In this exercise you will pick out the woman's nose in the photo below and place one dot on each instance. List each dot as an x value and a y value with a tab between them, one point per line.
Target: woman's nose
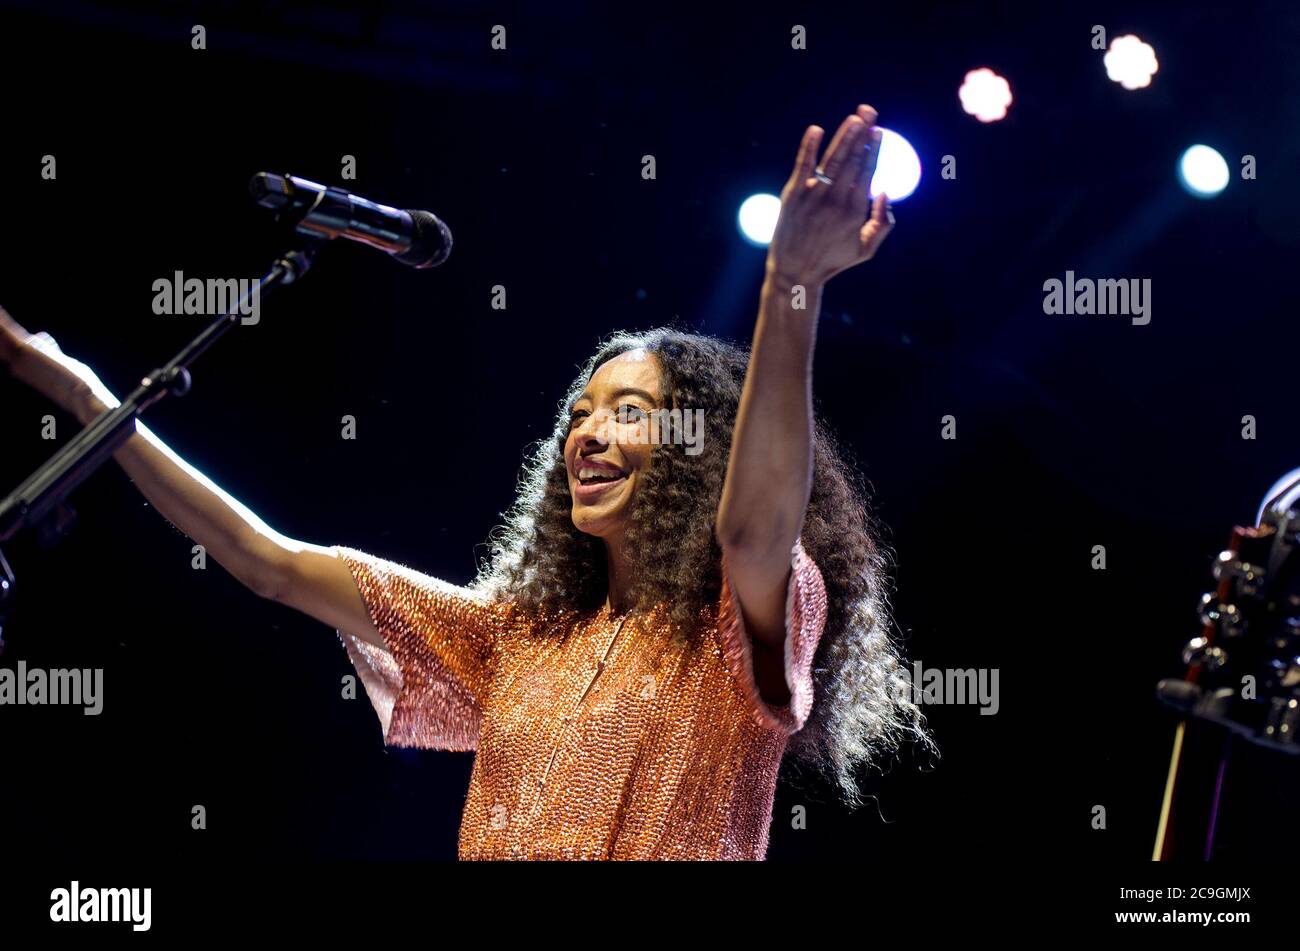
593	430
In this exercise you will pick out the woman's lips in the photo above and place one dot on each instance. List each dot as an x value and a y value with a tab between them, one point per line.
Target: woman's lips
591	493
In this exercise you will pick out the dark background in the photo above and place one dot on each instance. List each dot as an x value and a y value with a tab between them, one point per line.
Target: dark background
1072	432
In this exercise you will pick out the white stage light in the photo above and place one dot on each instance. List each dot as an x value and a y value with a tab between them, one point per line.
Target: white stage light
898	168
985	95
1203	171
757	218
1130	62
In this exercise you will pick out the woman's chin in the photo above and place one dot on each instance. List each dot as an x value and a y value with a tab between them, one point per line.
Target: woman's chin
590	521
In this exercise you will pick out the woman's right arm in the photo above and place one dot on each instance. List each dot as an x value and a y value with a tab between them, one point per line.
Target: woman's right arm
310	578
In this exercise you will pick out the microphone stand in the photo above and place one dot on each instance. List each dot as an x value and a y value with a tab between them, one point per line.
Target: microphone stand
46	488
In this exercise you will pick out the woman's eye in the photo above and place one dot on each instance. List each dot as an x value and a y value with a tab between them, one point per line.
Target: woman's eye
576	419
631	414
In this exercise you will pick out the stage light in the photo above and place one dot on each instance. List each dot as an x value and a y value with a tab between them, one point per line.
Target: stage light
1130	62
757	218
898	169
985	95
898	172
1203	171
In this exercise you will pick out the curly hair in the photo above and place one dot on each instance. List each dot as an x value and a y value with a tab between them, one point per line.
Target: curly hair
863	706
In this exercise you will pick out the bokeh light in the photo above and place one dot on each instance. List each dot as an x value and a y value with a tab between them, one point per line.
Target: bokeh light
985	95
757	218
1203	171
1130	62
898	169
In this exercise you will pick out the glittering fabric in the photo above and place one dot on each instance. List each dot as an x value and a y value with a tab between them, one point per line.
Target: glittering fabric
597	737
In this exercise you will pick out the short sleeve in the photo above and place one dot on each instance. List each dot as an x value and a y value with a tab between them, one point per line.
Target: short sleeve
805	617
428	683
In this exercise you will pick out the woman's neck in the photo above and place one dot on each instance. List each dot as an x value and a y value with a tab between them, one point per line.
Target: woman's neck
619	572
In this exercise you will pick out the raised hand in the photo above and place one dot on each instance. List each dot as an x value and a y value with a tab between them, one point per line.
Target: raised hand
828	221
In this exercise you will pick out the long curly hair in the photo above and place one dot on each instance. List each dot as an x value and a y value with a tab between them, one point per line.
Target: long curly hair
863	705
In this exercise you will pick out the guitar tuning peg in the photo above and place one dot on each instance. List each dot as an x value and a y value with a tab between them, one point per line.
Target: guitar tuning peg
1200	651
1225	617
1229	565
1208	610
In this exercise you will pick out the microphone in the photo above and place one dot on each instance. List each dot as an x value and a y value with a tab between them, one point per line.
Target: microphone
417	238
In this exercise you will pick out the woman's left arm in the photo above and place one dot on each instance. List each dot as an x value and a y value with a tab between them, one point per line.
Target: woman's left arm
823	228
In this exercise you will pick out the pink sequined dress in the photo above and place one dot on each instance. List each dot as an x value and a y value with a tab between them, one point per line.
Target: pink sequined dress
600	738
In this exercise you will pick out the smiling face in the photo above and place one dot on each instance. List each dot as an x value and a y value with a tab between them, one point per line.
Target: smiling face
607	451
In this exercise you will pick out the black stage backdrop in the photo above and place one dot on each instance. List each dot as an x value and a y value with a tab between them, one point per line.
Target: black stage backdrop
1071	432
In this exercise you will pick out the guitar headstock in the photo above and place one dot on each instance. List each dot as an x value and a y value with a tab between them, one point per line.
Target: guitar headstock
1243	669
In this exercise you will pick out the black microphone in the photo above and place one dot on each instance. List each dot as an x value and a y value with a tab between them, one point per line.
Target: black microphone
417	238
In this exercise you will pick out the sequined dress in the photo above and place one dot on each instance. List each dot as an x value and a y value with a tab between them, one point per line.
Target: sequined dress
600	738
